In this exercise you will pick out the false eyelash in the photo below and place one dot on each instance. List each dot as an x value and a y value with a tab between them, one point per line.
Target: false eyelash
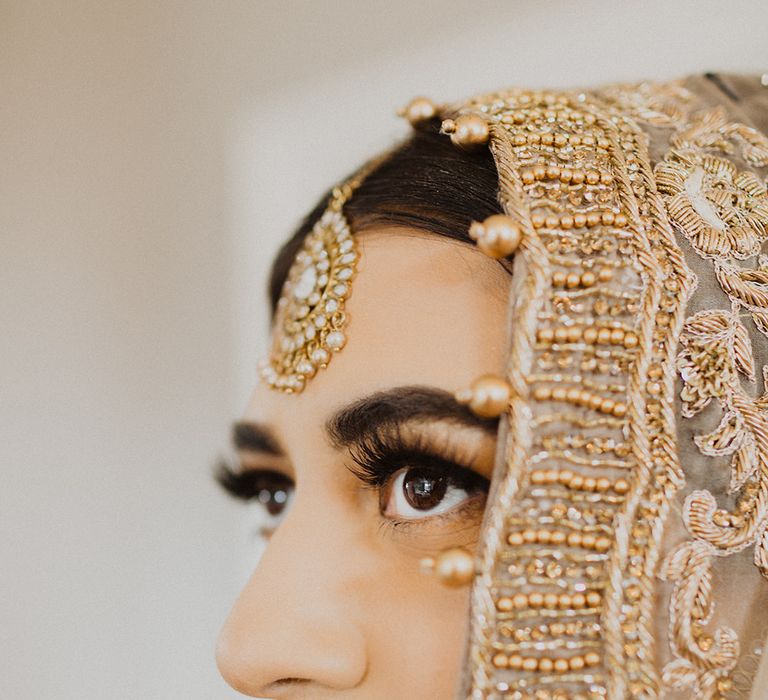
245	484
379	455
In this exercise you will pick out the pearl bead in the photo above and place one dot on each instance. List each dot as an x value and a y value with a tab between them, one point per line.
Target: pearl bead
419	110
591	658
454	567
469	131
335	340
488	397
497	236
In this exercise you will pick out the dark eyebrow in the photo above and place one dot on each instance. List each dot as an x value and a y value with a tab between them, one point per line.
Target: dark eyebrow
255	437
393	407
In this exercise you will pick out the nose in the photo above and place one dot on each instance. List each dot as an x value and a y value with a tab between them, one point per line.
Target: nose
294	624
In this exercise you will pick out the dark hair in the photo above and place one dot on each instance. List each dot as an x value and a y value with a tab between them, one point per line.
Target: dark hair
426	183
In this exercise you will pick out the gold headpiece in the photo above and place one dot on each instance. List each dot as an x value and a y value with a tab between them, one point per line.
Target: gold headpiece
310	318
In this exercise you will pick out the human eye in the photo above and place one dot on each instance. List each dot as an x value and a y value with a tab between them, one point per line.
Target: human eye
268	490
416	482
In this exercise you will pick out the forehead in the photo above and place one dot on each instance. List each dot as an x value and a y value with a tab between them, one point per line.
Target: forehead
423	310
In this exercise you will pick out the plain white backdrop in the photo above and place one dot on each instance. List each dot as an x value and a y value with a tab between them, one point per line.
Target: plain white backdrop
152	157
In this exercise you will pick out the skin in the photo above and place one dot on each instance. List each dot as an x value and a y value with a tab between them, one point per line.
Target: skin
338	606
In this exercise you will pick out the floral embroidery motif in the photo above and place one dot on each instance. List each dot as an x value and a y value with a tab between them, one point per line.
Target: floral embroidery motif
723	212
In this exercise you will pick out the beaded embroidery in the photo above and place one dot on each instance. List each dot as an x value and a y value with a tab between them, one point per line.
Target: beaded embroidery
563	607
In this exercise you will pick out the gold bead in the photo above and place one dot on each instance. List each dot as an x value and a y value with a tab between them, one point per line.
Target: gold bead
590	335
574	334
602	544
419	110
593	219
590	483
621	486
572	280
573	395
606	178
565	476
469	131
561	334
558	278
551	601
564	601
595	401
602	484
515	661
529	536
607	405
605	274
593	177
454	567
578	176
515	539
535	600
565	175
578	601
576	483
546	665
557	538
547	139
588	279
527	176
504	604
559	393
588	541
575	663
488	397
545	335
619	410
574	539
604	336
630	340
580	220
542	393
591	658
520	601
551	221
553	172
537	221
539	172
566	221
607	217
620	220
594	599
561	665
530	664
497	236
500	660
617	336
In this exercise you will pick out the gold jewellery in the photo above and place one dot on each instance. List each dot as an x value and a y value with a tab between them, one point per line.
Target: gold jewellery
310	320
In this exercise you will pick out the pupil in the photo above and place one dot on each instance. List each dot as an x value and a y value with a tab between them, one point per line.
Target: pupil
273	499
424	489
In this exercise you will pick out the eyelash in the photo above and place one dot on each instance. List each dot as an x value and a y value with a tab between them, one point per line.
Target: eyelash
377	459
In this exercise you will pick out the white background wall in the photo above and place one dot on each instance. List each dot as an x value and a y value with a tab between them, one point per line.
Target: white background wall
152	156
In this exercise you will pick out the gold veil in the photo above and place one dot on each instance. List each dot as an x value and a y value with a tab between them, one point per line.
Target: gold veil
625	536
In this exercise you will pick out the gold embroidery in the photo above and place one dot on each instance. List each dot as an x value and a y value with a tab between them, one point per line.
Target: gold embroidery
724	214
572	535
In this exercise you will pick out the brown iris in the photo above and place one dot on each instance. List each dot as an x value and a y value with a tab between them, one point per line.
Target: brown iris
424	488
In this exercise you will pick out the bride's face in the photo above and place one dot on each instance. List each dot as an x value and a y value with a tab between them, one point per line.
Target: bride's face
371	468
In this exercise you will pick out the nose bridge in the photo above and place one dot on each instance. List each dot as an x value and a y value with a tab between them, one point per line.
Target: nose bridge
295	618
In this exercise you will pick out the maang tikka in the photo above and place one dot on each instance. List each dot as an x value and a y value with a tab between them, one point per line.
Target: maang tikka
310	318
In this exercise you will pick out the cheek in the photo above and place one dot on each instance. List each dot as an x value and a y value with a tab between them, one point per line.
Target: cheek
416	630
